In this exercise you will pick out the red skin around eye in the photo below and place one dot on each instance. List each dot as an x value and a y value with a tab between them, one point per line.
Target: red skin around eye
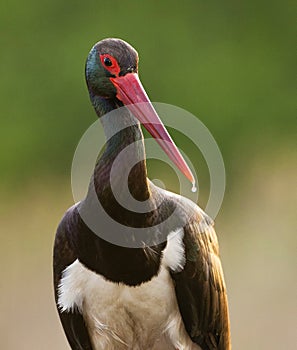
114	68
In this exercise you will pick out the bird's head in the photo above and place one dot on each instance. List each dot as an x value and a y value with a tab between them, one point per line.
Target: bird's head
109	58
111	73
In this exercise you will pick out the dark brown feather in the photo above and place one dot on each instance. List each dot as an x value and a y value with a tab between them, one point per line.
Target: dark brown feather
201	291
64	255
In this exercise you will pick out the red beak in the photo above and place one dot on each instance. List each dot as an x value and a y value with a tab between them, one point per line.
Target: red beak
130	91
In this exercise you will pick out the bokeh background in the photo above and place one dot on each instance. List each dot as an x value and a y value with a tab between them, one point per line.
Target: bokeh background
231	64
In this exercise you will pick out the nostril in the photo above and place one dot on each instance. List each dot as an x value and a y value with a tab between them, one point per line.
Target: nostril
131	69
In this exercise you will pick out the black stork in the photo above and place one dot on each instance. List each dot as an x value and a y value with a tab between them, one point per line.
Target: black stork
165	295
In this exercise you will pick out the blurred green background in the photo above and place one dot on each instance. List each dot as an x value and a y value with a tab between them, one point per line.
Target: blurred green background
231	64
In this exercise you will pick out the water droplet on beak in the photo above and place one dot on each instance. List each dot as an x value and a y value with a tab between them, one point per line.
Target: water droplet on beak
194	188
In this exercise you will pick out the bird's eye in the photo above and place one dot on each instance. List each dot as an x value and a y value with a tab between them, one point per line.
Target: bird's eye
107	61
110	63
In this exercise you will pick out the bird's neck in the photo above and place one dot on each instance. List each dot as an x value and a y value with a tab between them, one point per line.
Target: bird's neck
116	262
124	157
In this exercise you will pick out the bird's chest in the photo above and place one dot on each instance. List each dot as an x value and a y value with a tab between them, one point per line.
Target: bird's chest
119	316
131	317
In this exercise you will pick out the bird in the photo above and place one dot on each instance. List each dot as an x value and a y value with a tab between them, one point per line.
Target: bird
136	279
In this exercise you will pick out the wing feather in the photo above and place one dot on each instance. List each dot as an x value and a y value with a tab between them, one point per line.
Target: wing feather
200	290
64	255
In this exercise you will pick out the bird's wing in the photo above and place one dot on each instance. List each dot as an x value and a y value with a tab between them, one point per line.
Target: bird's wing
200	289
64	255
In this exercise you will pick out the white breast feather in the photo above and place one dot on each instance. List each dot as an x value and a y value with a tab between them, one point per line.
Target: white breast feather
174	253
71	288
